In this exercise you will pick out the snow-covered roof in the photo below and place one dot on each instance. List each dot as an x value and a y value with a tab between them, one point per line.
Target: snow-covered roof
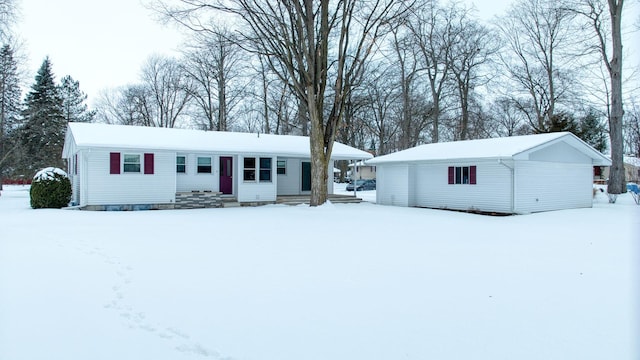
90	135
497	148
632	160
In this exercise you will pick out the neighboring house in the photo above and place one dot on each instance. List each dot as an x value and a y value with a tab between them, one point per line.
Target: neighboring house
631	170
143	167
360	170
513	175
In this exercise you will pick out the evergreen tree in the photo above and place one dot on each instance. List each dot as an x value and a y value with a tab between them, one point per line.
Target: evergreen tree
593	132
44	124
562	122
10	94
74	108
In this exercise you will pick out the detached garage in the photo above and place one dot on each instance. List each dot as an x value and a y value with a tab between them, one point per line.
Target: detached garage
512	175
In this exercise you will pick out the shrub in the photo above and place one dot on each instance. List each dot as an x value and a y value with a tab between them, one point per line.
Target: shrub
50	188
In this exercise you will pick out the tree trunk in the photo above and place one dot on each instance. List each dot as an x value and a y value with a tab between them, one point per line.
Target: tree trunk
616	183
319	160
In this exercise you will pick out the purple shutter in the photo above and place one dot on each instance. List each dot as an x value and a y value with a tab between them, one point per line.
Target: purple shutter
451	175
472	175
114	163
148	163
75	164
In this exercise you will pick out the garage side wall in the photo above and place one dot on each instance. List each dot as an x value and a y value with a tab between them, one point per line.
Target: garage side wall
546	186
392	186
492	191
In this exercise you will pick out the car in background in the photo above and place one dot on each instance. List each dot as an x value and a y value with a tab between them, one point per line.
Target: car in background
362	184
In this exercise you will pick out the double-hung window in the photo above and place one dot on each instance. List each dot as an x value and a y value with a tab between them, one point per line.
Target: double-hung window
281	167
204	165
249	172
131	163
265	169
181	164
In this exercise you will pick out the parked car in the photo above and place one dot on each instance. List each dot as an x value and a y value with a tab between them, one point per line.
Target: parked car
362	185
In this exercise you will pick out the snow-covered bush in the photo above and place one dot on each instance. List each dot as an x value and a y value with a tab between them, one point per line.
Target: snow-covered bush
50	188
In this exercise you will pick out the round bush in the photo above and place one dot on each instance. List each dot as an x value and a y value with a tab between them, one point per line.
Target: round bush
50	188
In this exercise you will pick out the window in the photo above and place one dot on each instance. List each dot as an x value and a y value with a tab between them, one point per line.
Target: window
462	175
181	164
204	165
265	169
249	169
131	163
282	167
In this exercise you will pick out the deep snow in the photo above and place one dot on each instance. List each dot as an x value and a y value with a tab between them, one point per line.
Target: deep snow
334	282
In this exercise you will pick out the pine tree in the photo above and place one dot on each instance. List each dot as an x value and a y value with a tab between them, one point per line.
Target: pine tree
74	108
44	123
10	94
593	132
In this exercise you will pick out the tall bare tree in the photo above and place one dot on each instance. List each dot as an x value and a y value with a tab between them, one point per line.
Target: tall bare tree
473	48
431	25
8	14
605	18
169	89
214	63
542	40
316	46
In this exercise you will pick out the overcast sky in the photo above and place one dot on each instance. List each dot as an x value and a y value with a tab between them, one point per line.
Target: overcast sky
103	44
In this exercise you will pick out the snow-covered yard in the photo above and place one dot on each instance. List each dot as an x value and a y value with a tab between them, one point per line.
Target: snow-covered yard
336	282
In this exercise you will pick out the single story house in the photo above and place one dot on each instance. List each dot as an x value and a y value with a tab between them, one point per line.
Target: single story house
361	170
125	167
631	170
511	175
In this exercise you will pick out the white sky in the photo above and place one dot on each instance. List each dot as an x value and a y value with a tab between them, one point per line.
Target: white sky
103	44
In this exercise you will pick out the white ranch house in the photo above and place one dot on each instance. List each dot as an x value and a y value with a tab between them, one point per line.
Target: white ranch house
131	167
511	175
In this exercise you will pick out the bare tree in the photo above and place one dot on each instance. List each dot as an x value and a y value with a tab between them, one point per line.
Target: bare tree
8	14
169	90
632	130
214	64
382	110
606	21
128	105
299	38
431	28
542	40
405	64
472	49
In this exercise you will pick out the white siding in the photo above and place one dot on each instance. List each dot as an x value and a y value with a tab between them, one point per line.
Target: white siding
392	185
545	186
191	180
256	191
492	191
125	188
289	183
560	153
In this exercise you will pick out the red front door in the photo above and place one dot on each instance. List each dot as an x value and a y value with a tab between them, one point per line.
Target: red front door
226	175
